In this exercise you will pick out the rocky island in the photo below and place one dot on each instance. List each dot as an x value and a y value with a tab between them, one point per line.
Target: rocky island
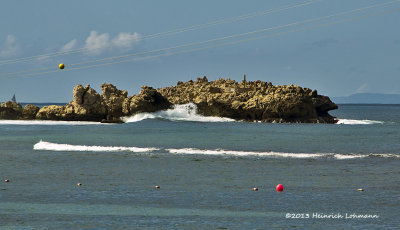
246	100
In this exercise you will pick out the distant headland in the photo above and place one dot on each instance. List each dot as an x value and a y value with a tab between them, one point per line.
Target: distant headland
368	98
246	100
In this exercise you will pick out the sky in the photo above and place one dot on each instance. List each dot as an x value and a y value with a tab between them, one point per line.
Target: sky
339	55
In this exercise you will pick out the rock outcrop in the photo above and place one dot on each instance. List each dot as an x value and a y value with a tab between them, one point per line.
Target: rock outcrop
30	111
252	101
87	105
249	101
108	107
114	100
148	100
10	110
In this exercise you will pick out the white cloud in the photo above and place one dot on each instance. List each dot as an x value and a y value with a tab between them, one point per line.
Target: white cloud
363	88
126	40
10	47
69	46
98	43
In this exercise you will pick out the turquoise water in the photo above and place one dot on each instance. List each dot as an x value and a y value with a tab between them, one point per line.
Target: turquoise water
206	169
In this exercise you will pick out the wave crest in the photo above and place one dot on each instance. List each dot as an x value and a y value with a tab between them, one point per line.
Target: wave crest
184	112
223	152
47	122
243	153
358	122
44	145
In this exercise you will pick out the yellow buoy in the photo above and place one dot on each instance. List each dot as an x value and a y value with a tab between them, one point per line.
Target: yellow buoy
61	66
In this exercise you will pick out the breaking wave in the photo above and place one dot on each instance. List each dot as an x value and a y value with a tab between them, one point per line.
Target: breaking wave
223	152
42	122
242	153
44	145
185	112
358	122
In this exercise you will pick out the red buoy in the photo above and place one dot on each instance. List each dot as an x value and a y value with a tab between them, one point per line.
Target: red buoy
279	188
6	180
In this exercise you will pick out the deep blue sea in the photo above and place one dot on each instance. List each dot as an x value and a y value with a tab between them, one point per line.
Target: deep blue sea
206	169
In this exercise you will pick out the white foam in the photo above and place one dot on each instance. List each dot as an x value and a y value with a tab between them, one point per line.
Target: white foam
185	112
46	122
385	155
243	153
44	145
358	122
348	156
223	152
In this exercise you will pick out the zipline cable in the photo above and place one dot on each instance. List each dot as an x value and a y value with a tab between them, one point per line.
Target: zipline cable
220	45
167	33
213	40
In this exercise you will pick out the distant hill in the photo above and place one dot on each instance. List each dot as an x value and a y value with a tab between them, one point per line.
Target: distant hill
368	98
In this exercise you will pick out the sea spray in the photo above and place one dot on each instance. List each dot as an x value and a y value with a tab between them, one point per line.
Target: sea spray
184	112
358	122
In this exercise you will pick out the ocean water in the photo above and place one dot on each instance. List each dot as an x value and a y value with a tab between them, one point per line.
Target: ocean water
206	169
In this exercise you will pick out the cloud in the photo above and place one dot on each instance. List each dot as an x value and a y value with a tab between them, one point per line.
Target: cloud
363	88
98	43
69	46
126	40
10	47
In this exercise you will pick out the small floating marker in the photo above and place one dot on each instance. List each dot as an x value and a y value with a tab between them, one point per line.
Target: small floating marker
61	66
279	188
7	180
157	187
360	189
79	184
255	189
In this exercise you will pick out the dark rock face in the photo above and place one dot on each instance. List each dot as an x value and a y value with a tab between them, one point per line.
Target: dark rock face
30	111
13	110
113	99
10	110
148	100
250	101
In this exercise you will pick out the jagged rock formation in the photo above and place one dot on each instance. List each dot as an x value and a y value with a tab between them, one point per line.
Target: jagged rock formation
10	110
14	110
110	106
148	100
114	100
250	101
30	111
87	105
